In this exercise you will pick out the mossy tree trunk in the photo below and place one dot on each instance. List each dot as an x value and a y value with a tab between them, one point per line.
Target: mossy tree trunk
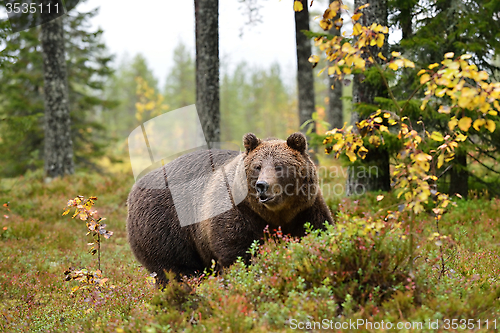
305	79
58	151
207	67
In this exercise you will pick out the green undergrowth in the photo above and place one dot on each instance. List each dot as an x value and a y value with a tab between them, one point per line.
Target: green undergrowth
356	270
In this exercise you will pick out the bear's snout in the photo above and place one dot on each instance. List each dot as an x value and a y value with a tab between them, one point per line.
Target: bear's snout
261	186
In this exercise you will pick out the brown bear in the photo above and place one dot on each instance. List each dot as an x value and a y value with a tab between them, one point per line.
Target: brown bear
212	204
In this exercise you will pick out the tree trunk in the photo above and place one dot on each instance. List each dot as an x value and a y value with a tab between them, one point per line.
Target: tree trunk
58	153
305	78
335	106
373	173
459	177
207	68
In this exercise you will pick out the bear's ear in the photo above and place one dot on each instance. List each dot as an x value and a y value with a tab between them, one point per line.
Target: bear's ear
250	141
297	141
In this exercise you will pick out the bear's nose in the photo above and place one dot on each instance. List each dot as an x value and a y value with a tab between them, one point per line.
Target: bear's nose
261	186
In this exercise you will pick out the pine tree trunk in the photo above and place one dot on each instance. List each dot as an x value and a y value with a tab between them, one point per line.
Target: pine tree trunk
373	173
58	153
305	78
207	68
335	106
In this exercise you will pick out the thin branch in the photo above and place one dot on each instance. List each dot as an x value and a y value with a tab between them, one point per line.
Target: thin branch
445	171
484	165
411	96
381	72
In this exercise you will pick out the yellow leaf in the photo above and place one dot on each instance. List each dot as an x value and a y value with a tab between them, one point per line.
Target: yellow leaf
356	17
449	55
380	197
381	56
490	125
422	157
325	24
374	140
452	123
460	137
478	123
380	40
359	62
408	63
436	136
356	30
420	72
395	54
383	129
297	6
363	6
425	78
393	66
351	155
440	161
362	151
313	59
464	123
492	112
444	109
482	76
378	119
433	65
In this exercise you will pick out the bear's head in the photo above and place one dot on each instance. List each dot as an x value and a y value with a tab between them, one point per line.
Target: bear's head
282	179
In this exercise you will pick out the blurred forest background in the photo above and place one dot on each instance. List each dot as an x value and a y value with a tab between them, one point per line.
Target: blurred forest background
104	90
111	94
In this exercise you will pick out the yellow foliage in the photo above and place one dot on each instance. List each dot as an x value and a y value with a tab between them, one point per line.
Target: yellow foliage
297	6
478	123
464	123
490	125
425	78
437	136
452	123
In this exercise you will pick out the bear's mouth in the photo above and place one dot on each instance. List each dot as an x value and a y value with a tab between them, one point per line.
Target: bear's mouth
265	199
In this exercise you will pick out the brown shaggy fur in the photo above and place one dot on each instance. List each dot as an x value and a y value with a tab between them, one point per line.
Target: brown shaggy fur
292	198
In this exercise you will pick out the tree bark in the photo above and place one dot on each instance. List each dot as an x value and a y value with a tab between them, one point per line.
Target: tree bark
305	80
207	68
335	106
365	93
58	152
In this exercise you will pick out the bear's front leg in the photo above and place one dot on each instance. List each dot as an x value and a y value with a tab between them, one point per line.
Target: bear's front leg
231	237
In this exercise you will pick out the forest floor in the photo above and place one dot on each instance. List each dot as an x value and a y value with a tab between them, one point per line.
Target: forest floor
355	276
